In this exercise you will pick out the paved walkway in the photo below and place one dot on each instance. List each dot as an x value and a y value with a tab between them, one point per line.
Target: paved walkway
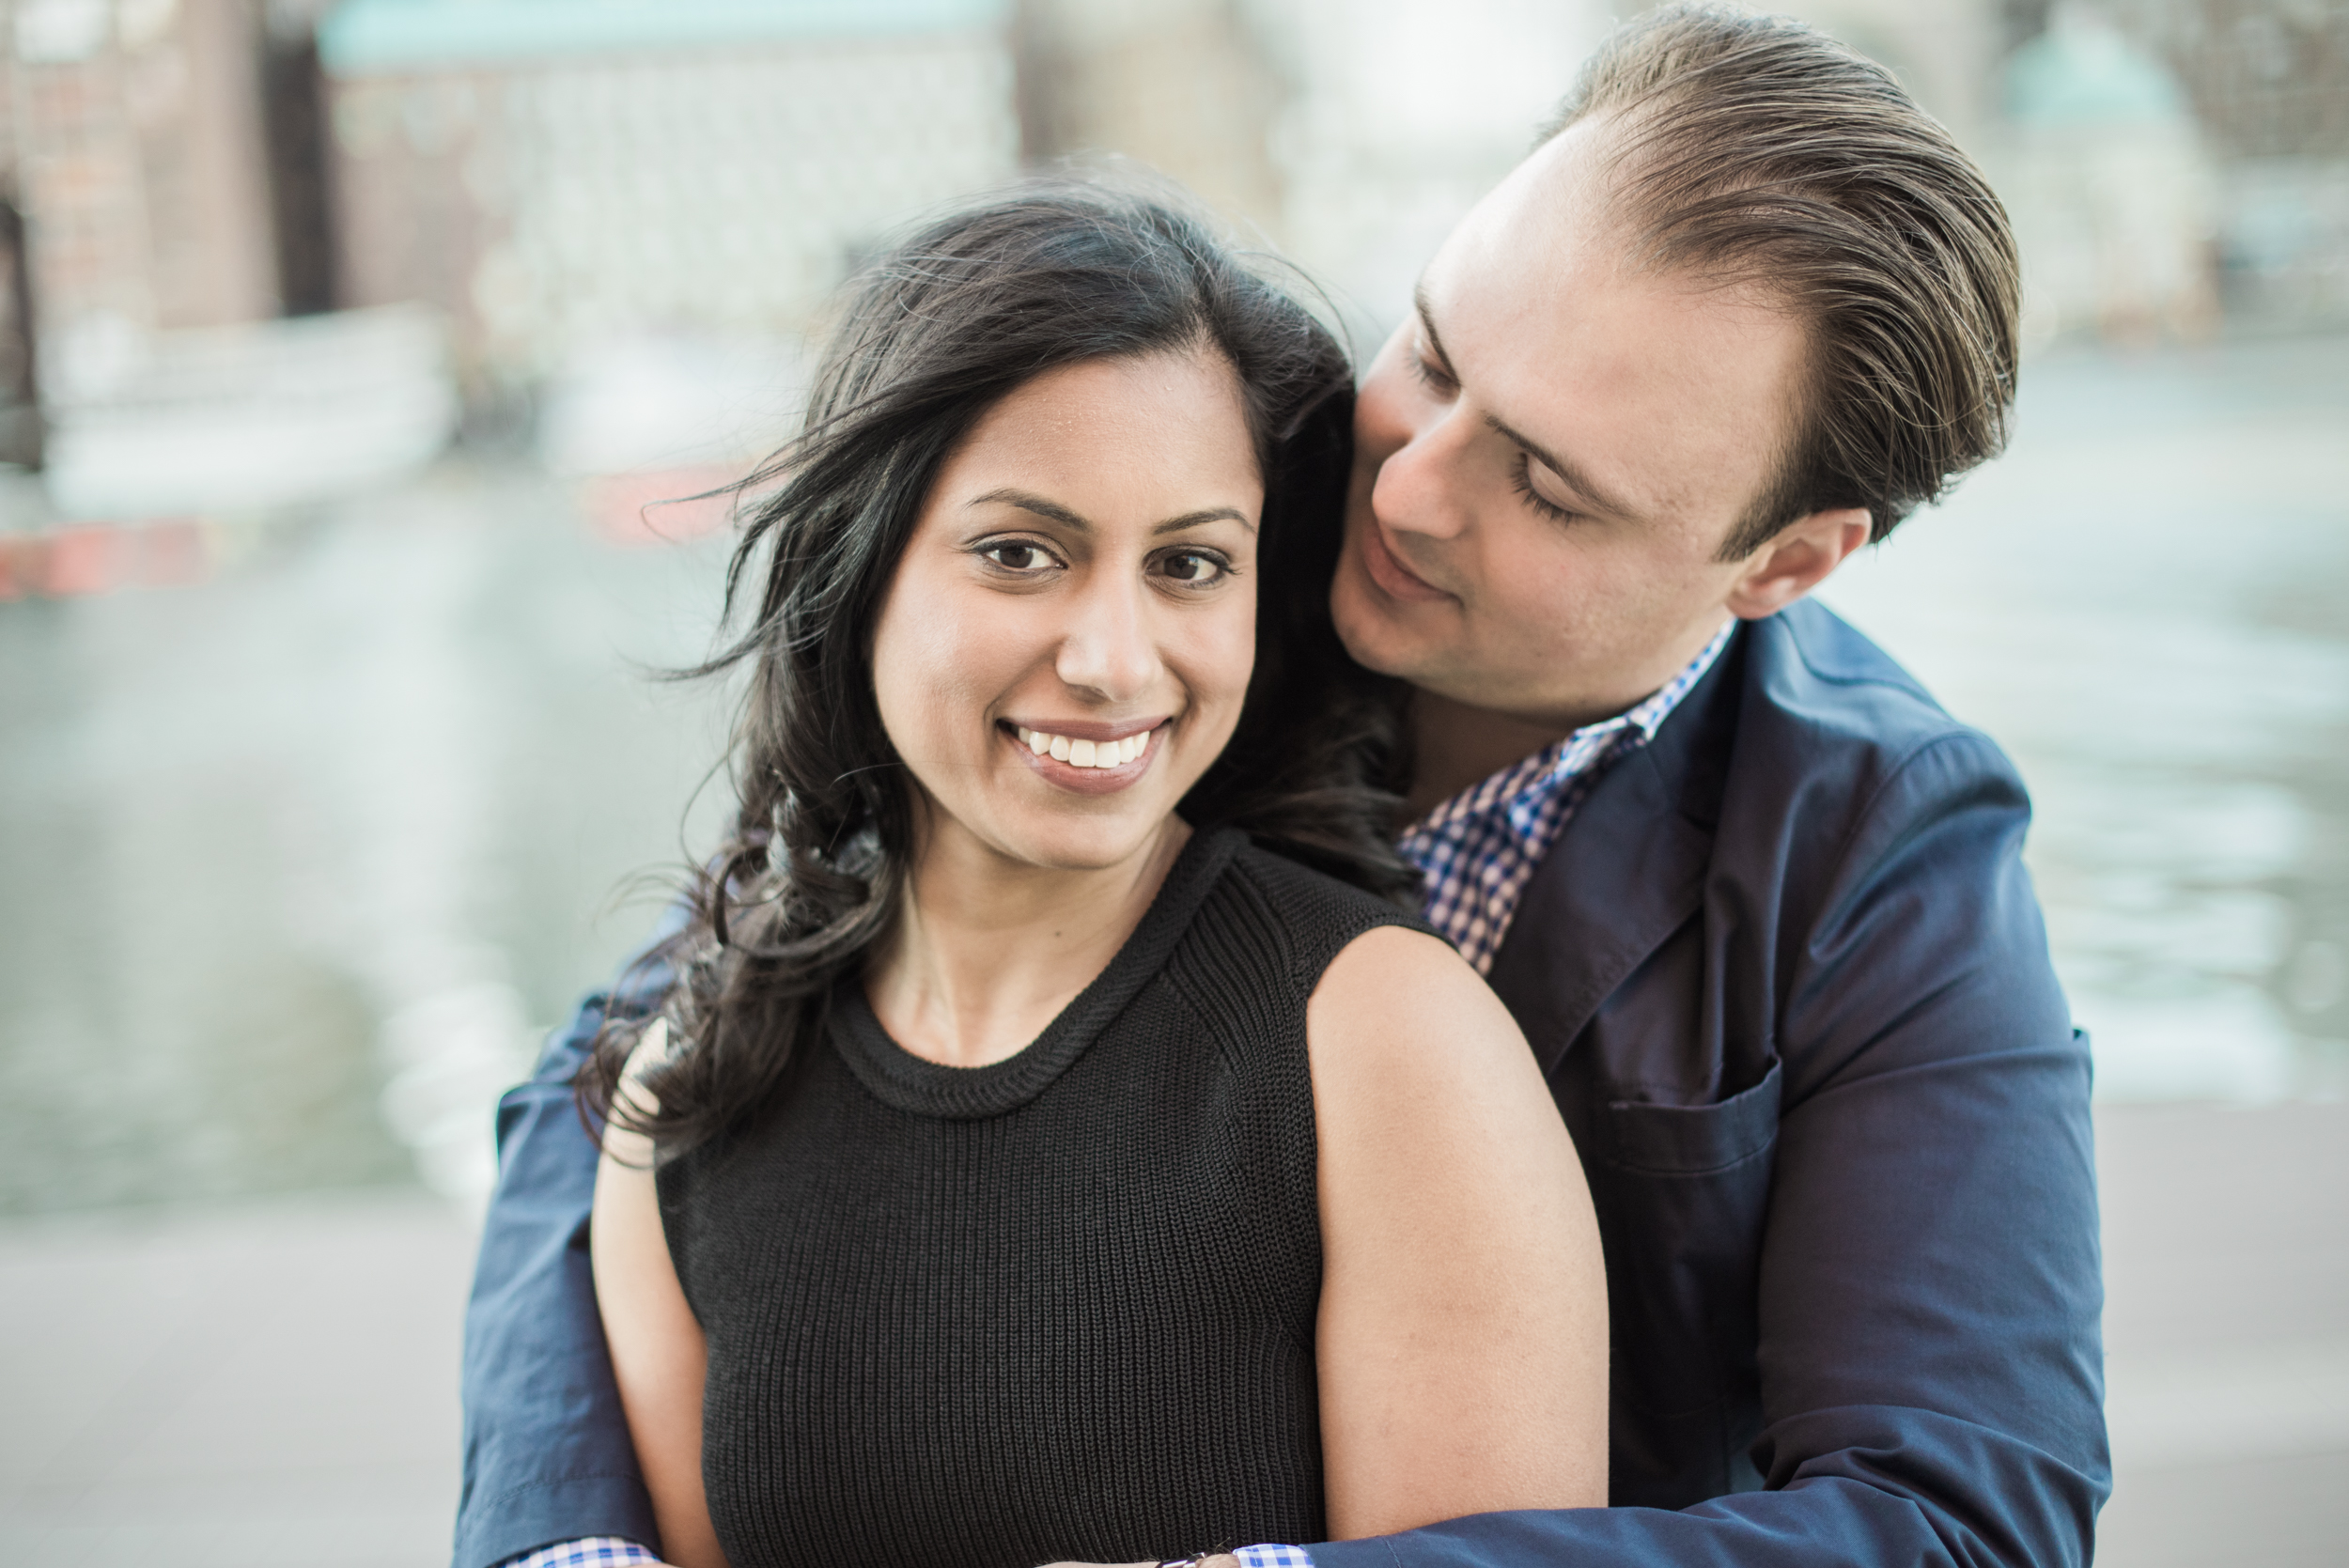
276	1385
2227	1335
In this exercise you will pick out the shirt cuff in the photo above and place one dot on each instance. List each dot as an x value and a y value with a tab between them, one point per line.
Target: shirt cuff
1273	1557
604	1551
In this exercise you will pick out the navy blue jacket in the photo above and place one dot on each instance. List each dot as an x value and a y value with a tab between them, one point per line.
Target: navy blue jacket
1789	983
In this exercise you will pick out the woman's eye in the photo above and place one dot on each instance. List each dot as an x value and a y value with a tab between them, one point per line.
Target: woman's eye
1017	555
1190	566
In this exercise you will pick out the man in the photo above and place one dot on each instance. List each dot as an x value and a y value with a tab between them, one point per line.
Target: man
1755	900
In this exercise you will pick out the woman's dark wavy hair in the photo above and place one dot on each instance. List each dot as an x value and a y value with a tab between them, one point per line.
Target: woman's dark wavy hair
934	333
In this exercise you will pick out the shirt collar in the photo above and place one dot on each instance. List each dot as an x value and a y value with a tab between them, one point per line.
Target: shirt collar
1525	785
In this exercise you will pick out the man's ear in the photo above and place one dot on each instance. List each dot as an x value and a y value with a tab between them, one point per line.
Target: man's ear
1797	560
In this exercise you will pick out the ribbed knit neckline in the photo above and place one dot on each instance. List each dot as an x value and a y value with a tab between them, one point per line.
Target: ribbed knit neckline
911	1083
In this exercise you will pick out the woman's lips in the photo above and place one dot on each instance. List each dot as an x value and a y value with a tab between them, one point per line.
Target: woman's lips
1388	572
1088	758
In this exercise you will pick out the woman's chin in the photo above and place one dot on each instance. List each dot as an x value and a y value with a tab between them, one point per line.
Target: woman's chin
1098	848
1072	840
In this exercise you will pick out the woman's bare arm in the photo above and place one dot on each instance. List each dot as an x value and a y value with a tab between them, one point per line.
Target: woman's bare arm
659	1354
1463	1330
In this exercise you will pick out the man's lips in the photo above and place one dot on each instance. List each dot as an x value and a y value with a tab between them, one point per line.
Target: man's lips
1388	572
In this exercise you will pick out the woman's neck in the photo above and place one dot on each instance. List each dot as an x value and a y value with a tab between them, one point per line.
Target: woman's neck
988	951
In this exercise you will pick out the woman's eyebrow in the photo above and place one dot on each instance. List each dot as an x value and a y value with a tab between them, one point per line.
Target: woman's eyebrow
1028	500
1212	514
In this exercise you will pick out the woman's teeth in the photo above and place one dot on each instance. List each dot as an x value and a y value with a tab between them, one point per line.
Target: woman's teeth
1087	753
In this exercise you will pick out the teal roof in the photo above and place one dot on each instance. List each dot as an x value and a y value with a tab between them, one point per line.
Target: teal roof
2082	75
363	37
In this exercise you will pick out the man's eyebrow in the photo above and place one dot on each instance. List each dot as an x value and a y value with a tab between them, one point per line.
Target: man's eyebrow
1027	500
1427	322
1599	499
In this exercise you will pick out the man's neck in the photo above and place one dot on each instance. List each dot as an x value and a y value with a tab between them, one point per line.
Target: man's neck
1456	745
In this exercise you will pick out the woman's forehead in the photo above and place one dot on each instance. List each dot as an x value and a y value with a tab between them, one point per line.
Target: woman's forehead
1148	437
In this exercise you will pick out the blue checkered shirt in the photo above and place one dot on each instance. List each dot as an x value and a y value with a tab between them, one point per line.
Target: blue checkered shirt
609	1551
1479	849
593	1551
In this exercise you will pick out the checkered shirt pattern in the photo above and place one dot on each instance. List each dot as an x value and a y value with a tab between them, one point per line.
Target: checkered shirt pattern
1479	849
1273	1557
594	1551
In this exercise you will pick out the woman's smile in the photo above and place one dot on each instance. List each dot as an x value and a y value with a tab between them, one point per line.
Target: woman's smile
1089	757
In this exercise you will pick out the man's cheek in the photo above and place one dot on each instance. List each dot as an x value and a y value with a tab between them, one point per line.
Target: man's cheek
1531	596
1382	418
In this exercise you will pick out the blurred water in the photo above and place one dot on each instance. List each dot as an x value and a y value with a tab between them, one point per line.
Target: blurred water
2147	602
298	861
294	864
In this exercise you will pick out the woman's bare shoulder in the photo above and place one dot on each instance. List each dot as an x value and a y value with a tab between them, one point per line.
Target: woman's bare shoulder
1422	1082
1463	1327
1399	1000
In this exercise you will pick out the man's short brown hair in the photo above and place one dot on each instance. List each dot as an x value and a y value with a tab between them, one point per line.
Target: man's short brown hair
1757	152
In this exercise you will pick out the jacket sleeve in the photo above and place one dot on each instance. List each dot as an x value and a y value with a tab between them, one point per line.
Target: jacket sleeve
1930	1288
547	1450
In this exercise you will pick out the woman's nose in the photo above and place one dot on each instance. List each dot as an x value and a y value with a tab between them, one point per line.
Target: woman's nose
1109	650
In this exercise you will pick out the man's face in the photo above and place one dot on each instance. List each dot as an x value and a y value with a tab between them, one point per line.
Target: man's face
1550	456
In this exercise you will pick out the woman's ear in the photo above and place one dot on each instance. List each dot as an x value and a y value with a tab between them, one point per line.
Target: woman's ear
1797	560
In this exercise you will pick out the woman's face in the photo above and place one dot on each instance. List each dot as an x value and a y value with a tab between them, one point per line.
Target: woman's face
1066	641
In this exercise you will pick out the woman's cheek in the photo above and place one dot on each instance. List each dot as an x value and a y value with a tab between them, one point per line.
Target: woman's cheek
929	666
1218	663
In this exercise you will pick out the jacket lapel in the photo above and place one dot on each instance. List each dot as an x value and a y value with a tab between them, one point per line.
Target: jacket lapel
1627	871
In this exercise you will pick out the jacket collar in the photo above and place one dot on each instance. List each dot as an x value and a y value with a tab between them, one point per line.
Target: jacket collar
1627	870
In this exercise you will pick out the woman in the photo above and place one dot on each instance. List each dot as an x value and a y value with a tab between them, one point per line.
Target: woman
1062	1149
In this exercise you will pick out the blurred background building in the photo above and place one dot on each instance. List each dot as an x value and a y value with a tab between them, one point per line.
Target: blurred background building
357	359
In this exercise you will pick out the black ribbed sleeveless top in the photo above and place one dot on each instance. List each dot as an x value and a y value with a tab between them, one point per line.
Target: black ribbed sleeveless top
1060	1305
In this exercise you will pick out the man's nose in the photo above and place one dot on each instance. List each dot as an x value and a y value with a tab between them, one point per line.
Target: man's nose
1109	650
1421	486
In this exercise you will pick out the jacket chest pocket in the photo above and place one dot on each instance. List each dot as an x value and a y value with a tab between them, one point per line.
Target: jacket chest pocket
1692	1139
1682	1192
